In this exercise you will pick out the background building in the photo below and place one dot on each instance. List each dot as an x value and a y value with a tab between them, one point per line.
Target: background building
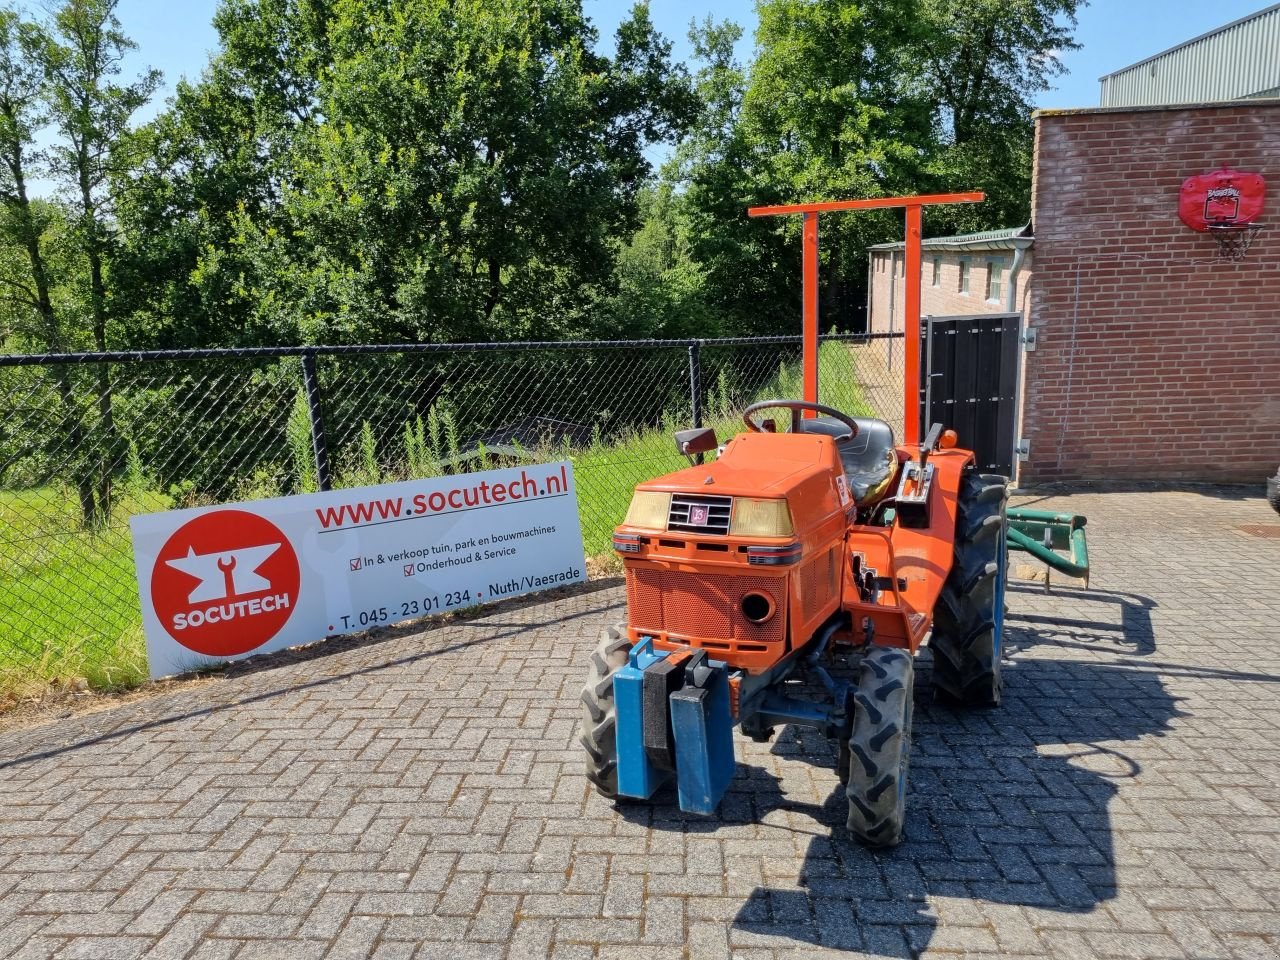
974	273
1233	62
1155	358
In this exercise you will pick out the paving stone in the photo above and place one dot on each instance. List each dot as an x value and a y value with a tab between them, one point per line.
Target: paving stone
104	948
183	936
356	940
281	950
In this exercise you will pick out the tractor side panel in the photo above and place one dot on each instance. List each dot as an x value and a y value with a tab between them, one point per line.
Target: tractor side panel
920	556
925	554
815	591
816	579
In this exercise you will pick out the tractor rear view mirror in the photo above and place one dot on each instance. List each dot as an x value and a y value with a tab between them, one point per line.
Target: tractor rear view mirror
697	440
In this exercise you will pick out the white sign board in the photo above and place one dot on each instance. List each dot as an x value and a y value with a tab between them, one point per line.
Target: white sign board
232	580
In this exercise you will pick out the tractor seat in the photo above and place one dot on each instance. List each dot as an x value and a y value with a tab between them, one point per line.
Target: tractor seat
870	459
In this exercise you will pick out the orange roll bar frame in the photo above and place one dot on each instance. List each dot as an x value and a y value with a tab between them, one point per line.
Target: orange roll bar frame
914	220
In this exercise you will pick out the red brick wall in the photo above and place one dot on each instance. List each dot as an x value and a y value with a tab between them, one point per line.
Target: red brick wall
1155	360
945	299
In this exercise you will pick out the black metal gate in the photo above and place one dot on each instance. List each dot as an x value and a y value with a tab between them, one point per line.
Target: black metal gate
970	373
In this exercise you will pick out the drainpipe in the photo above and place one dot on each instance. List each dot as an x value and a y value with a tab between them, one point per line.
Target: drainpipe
1019	255
893	289
871	286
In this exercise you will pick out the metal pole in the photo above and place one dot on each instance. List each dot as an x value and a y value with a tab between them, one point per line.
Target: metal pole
695	380
810	329
911	327
312	384
928	372
695	384
893	300
911	415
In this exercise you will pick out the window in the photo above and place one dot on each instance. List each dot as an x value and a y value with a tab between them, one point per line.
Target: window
937	271
995	276
964	276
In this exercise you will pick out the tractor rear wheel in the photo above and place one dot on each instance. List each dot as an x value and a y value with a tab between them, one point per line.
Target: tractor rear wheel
880	746
968	621
599	716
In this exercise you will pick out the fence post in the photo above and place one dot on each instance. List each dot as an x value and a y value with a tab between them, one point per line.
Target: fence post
695	380
318	445
695	383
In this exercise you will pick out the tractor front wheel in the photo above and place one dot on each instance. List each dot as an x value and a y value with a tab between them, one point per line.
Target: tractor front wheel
880	746
599	716
968	621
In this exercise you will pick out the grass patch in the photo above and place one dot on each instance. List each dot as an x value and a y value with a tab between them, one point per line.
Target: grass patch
68	597
69	613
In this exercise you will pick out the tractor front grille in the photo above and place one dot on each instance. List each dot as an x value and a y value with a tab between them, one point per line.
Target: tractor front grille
697	514
703	606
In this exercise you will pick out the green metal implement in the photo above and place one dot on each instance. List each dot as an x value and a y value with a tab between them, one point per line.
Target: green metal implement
1042	533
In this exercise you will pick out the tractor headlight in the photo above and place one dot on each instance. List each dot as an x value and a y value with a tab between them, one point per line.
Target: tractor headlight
648	510
760	518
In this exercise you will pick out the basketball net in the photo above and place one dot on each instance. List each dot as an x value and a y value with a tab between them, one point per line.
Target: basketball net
1234	239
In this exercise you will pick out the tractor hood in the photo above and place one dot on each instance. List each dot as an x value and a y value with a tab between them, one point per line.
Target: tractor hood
767	465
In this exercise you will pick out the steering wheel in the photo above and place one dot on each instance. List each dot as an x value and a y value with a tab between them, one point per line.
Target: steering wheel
796	406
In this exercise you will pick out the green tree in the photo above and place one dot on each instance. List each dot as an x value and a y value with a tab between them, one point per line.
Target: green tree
849	99
830	114
414	169
180	275
29	248
661	290
22	114
908	96
983	63
746	277
91	114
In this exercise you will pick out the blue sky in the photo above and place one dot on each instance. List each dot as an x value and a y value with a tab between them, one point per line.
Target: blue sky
177	35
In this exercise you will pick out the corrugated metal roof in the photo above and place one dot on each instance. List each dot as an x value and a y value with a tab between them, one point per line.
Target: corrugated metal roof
1006	239
1234	62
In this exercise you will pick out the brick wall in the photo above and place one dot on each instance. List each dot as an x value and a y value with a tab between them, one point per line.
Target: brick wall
944	298
1155	360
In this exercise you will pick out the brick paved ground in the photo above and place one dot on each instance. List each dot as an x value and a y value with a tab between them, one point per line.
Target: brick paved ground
420	797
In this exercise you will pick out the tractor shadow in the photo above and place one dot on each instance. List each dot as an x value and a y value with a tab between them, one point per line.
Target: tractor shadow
1076	618
1005	807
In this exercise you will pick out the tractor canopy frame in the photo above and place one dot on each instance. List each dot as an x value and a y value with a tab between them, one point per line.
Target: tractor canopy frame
914	218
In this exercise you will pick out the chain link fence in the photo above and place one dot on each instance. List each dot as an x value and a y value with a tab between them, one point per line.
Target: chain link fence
87	440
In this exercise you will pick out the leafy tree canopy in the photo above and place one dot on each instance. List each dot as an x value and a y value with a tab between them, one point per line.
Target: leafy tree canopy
415	169
849	99
351	170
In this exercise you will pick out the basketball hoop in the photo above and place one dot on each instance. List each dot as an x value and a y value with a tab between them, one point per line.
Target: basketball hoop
1234	239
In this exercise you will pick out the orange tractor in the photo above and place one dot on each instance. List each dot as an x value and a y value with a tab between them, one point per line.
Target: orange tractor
808	540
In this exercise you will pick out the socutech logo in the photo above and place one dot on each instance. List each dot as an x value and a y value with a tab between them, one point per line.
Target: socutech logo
225	583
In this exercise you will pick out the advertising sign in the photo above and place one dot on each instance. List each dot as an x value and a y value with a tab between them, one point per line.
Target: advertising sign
227	581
